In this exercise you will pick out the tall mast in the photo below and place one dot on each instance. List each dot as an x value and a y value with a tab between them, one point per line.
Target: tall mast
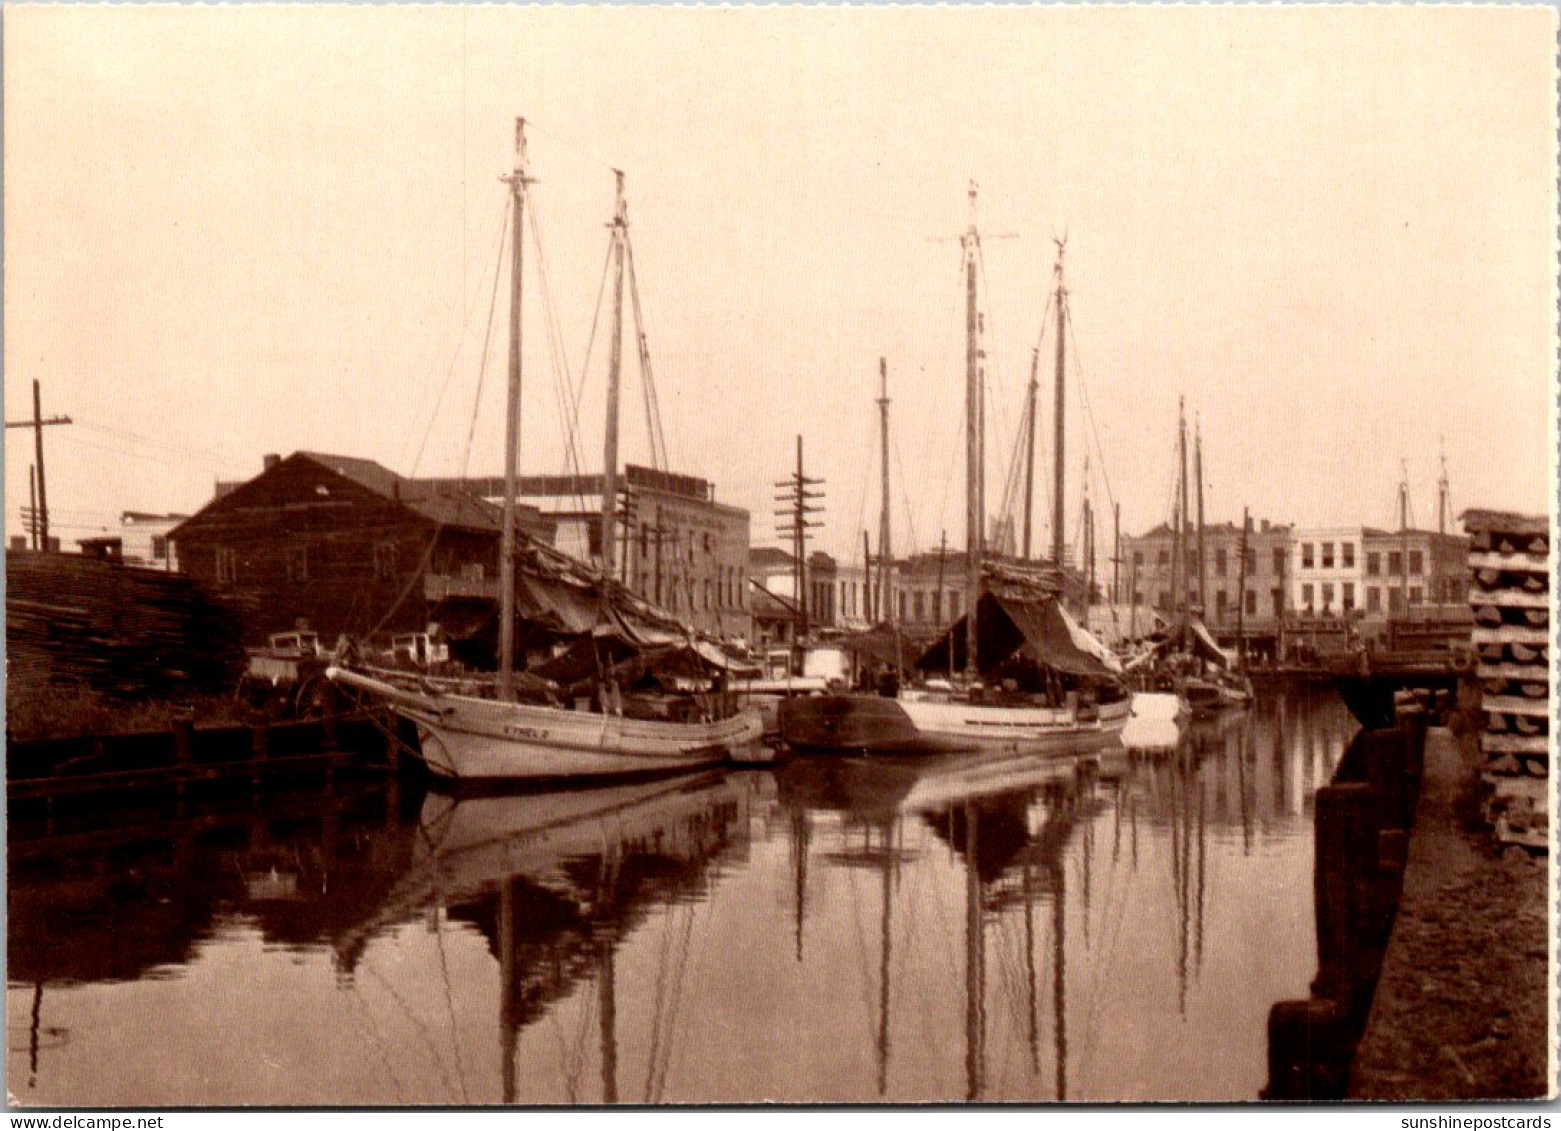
1058	442
518	180
1203	559
1181	522
883	518
1443	505
1116	555
1403	527
620	235
971	244
1029	447
1241	594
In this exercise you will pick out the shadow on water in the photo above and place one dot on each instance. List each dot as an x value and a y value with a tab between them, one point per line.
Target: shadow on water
1030	929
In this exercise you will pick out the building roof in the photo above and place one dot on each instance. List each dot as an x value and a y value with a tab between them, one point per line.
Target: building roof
769	557
446	507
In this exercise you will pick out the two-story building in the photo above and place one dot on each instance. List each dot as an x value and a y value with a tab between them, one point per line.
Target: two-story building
344	545
675	545
1145	575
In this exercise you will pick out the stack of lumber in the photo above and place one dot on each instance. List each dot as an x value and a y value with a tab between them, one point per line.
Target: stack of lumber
131	633
1509	560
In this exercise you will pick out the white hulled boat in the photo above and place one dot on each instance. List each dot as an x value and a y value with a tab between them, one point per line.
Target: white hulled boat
475	734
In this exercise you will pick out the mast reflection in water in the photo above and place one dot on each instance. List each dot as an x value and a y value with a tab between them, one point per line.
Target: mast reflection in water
964	927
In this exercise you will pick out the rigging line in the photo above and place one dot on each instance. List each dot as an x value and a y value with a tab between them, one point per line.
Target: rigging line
913	544
563	380
954	449
653	422
405	1007
449	1005
861	505
1089	412
987	343
415	577
531	123
679	970
498	260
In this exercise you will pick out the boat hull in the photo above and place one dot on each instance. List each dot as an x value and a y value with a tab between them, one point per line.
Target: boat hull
483	741
876	725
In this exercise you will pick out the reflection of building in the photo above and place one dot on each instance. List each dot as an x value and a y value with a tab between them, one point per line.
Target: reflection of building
676	546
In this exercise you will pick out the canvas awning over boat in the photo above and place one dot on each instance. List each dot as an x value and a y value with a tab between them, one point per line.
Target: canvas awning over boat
1042	630
1193	637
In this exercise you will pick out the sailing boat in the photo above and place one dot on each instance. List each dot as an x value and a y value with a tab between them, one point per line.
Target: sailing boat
1197	669
1015	625
475	738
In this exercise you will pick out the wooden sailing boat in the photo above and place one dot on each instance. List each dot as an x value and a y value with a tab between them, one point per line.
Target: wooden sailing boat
970	714
468	737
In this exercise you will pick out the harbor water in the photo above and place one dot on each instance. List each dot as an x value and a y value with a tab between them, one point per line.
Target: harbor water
1109	927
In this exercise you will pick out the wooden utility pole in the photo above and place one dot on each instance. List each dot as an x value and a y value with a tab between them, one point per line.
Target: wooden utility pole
1241	595
41	506
1029	447
884	553
1443	505
620	235
32	503
1203	558
800	500
518	180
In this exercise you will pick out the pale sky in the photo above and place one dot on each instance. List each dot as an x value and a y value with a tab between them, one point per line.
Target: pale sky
232	231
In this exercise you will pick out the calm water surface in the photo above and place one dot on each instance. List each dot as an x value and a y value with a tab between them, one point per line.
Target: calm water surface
998	928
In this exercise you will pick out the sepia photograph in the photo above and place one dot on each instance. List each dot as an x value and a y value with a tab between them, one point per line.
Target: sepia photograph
594	555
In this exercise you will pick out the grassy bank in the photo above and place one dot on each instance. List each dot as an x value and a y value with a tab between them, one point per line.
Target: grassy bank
65	711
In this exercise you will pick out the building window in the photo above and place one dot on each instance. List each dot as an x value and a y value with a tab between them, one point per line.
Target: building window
1414	595
1395	562
1306	555
1219	603
384	560
1327	595
1165	557
920	608
1279	561
1373	599
227	565
1373	564
1347	553
1219	563
1416	562
1276	597
1327	555
1306	597
1251	602
298	563
708	542
1347	597
159	547
1138	557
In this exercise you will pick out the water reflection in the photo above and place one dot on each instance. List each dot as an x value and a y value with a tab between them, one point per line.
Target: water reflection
1107	927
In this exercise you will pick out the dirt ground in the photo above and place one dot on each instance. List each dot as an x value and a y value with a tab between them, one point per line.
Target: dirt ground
1462	1010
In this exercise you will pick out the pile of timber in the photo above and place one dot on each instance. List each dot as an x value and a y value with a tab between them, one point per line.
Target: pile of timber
120	630
1509	559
